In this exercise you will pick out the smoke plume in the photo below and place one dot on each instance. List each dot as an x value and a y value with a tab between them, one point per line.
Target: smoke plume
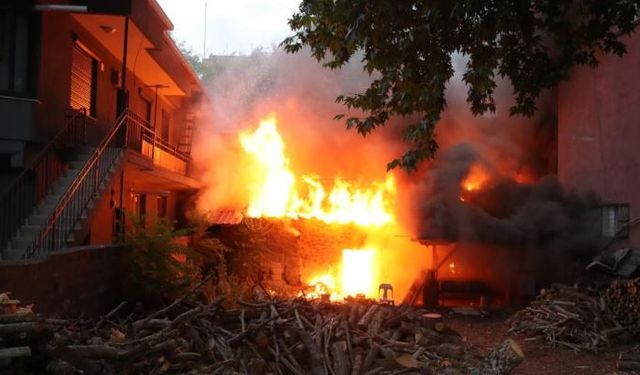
521	205
301	94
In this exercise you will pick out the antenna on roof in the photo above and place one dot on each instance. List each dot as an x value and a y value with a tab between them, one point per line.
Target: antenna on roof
204	43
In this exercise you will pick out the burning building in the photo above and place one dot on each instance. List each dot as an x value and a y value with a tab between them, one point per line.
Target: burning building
485	218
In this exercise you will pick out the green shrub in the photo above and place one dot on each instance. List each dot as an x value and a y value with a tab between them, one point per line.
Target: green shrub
162	266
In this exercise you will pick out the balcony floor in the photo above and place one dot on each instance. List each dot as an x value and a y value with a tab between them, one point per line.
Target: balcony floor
148	176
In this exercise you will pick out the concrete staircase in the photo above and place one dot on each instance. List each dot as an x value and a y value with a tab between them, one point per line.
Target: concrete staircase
34	225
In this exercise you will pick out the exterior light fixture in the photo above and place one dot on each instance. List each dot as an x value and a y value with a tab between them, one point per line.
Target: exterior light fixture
108	29
60	8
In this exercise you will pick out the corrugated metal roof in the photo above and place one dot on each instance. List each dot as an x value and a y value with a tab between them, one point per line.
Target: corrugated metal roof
225	217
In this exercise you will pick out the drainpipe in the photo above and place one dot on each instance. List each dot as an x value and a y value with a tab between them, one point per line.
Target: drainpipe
123	97
123	103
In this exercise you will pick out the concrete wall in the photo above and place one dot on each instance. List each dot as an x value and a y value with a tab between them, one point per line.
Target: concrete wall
74	282
37	120
103	215
599	130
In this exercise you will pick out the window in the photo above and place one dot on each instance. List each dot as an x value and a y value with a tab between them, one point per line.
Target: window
615	220
84	70
146	109
164	130
17	45
141	208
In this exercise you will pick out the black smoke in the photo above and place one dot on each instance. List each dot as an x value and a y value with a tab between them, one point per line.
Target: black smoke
542	219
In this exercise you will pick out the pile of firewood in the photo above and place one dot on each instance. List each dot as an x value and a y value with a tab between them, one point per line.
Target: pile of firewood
628	362
577	319
623	300
19	331
267	337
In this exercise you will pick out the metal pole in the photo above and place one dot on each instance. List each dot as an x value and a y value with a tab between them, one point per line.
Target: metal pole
121	215
124	53
204	43
155	108
155	119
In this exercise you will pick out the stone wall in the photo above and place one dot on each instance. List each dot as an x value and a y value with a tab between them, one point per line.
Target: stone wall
290	251
79	281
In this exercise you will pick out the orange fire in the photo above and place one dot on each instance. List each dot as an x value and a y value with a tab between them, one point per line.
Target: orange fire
357	277
358	272
276	191
476	178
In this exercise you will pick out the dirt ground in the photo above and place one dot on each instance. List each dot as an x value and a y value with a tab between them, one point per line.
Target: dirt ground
540	358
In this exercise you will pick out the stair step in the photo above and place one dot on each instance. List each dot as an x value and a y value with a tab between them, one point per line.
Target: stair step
46	209
21	243
30	230
53	198
12	254
71	174
71	227
87	150
77	165
38	220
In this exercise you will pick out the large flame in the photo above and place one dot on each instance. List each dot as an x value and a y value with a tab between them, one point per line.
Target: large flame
357	277
358	272
277	192
476	178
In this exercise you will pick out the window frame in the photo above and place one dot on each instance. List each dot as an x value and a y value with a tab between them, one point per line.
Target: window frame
33	39
95	63
621	225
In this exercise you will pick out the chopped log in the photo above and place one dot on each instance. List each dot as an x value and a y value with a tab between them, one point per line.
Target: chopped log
338	350
501	360
429	320
407	361
315	355
448	350
628	366
20	351
94	351
376	322
358	361
394	321
368	316
22	328
354	314
629	357
276	337
371	357
17	317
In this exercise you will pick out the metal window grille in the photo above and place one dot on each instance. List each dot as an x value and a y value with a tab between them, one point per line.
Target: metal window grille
615	220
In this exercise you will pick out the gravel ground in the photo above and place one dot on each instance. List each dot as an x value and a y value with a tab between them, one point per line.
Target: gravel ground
540	358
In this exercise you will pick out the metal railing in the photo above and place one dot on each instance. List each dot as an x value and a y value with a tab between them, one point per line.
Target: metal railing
85	187
130	131
140	132
29	189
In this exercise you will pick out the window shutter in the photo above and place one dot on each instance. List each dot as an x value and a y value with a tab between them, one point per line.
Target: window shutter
82	81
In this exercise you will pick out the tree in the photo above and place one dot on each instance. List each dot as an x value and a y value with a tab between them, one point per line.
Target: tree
206	69
407	46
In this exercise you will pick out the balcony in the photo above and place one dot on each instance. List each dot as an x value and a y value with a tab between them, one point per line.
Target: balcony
155	162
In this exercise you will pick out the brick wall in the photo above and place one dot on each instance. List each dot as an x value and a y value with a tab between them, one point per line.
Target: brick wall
79	281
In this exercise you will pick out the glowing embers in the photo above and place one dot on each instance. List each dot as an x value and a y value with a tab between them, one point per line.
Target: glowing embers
323	285
276	191
358	272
